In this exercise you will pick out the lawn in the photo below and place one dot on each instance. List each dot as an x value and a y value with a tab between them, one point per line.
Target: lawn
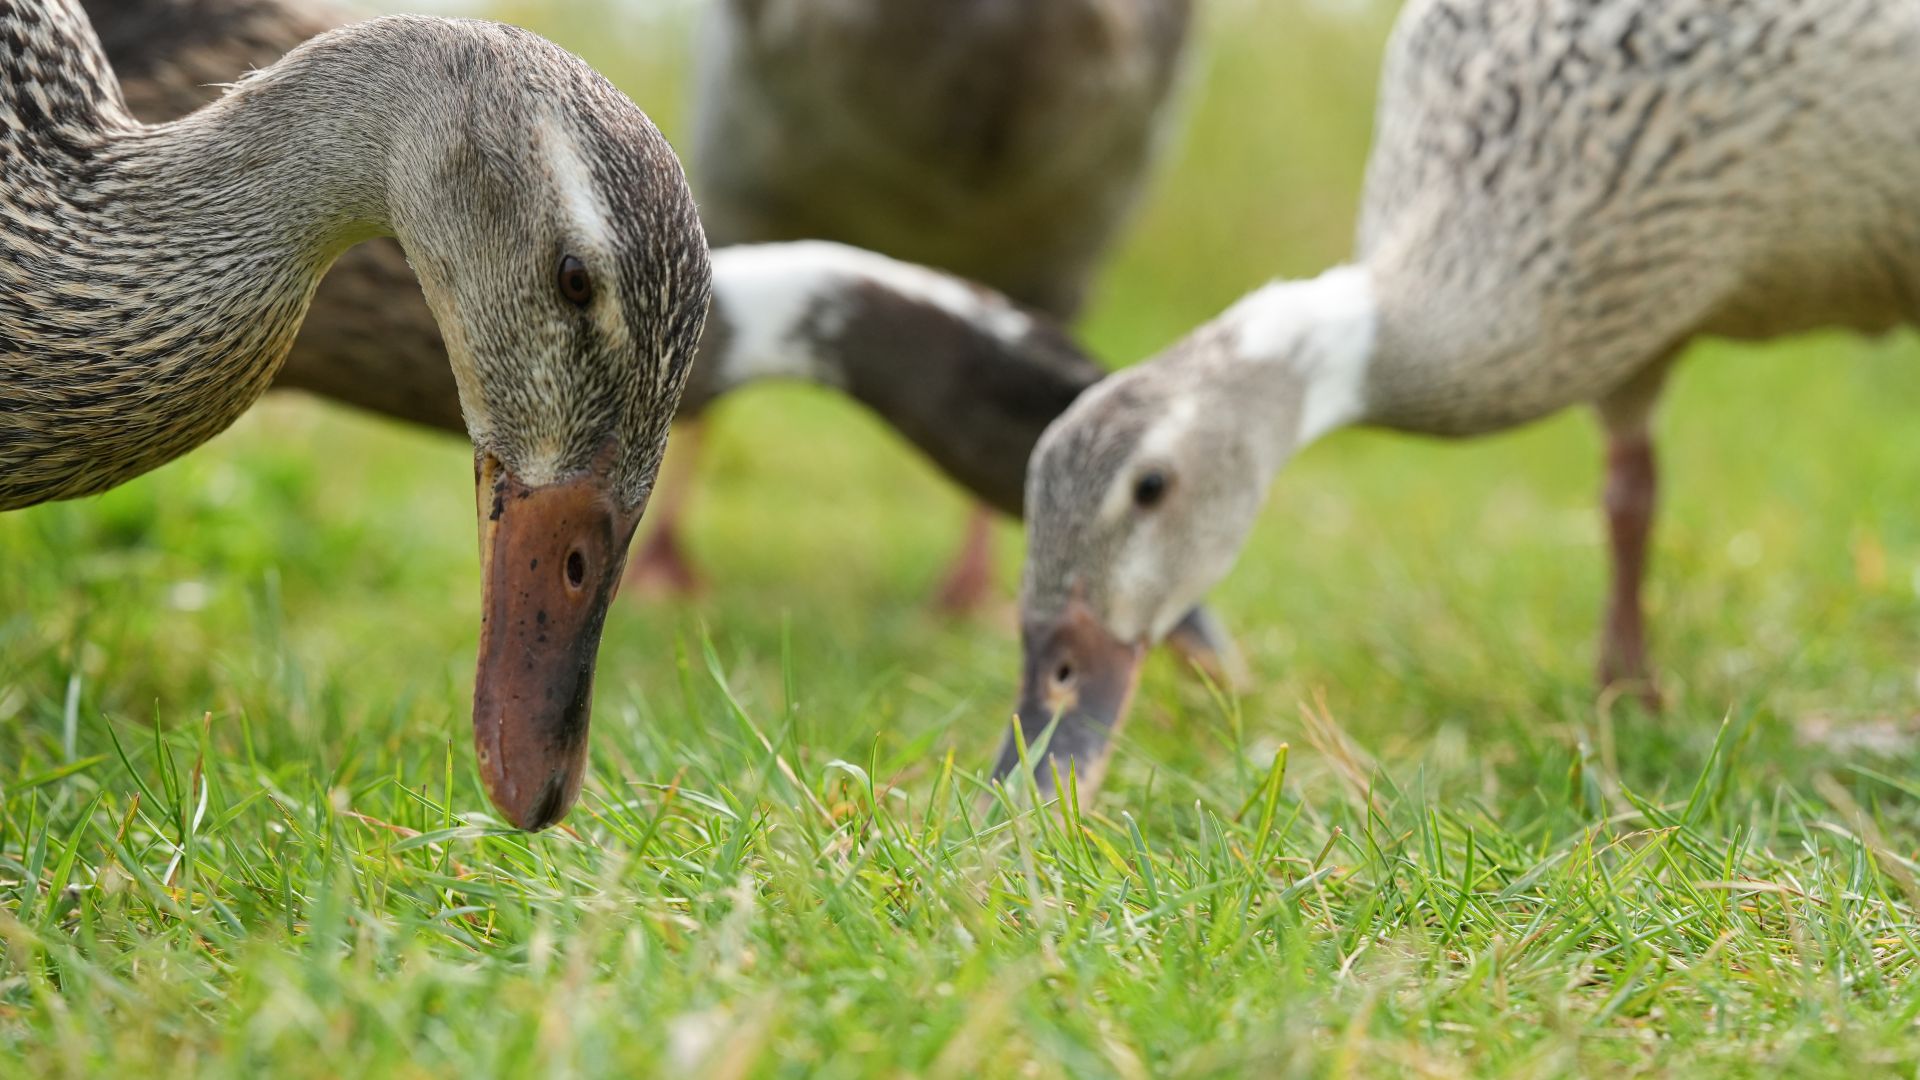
240	831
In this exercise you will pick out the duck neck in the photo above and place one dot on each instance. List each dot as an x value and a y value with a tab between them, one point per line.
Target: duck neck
1291	360
958	370
167	288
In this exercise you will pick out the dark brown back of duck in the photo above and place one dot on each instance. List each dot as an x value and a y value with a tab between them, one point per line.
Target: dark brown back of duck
977	405
1001	140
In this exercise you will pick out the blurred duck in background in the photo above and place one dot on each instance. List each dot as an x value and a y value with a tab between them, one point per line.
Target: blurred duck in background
1005	141
1562	194
966	375
152	279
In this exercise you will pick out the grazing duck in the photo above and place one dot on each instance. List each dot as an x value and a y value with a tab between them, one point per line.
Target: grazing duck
965	375
152	279
1562	194
1001	140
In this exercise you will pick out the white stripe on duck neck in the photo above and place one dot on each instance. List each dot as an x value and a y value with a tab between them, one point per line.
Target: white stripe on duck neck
782	302
1321	333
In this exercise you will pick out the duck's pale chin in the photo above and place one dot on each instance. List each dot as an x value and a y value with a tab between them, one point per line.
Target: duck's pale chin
550	561
1077	671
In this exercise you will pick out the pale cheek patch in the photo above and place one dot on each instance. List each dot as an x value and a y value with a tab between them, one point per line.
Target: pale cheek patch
1137	578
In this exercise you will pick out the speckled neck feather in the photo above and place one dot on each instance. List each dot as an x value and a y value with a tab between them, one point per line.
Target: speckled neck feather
151	279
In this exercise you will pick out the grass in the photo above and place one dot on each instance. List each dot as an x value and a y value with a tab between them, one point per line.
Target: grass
240	832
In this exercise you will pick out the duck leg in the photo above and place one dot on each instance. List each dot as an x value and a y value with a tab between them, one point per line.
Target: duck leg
1630	498
970	579
661	567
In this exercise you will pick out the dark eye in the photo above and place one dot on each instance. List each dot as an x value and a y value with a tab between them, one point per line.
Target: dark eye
575	283
1149	489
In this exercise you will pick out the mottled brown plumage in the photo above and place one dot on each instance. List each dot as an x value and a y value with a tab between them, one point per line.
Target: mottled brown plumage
368	339
1001	140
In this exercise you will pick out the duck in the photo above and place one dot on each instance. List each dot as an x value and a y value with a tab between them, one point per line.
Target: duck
1004	141
968	376
153	277
1561	195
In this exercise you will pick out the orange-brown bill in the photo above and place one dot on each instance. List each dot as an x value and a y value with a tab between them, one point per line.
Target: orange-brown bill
550	562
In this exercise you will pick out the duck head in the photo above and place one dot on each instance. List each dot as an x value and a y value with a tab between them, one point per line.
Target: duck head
1138	500
1141	495
558	246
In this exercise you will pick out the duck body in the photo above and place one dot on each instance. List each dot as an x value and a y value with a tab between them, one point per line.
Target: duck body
152	279
1562	194
1001	140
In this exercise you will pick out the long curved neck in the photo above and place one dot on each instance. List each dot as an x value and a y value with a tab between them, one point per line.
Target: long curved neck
959	371
153	301
1286	364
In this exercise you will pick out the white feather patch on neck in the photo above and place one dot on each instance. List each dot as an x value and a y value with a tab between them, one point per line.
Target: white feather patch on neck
780	300
1324	330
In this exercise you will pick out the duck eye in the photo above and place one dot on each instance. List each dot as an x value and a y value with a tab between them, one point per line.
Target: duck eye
1149	490
575	283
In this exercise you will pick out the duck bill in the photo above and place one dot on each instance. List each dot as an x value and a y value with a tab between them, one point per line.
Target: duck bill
1076	671
550	563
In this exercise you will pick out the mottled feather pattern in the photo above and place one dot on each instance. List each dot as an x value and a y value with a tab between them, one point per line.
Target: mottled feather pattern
369	339
1562	191
155	276
1001	140
84	311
